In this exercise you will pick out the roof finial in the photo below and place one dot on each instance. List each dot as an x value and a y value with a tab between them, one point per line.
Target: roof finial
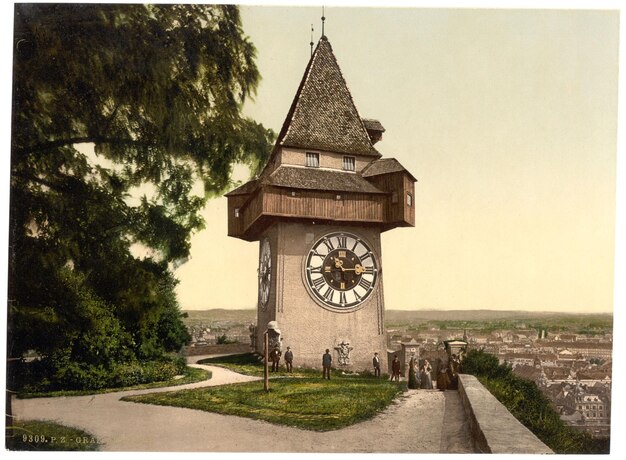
323	19
311	40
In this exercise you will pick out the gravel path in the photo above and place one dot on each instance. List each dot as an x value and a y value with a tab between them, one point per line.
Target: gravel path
414	423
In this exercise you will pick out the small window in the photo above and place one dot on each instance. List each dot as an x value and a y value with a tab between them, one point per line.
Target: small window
313	159
409	199
236	212
349	163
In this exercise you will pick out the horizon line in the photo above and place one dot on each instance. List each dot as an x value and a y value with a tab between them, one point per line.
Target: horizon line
586	312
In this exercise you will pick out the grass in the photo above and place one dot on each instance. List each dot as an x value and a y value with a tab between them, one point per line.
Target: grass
191	375
303	402
35	435
248	364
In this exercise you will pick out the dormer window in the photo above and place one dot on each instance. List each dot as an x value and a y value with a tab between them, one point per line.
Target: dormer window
313	159
349	163
409	199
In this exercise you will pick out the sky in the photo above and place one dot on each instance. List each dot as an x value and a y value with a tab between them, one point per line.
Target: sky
507	118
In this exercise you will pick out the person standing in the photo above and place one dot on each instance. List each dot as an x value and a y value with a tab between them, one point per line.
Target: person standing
275	358
289	359
376	364
425	376
395	368
443	380
327	360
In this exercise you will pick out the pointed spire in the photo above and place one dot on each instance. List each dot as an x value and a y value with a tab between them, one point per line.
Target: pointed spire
311	40
323	19
323	115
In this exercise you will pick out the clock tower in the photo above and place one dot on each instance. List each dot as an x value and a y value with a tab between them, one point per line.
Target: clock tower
318	209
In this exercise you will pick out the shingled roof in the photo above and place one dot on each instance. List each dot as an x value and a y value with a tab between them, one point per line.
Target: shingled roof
323	115
319	179
244	189
385	166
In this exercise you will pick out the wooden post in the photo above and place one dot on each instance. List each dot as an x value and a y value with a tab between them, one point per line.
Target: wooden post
266	382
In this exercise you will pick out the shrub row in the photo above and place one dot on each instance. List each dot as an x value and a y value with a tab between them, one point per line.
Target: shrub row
78	376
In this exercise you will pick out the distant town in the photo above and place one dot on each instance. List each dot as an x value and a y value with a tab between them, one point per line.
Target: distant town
569	356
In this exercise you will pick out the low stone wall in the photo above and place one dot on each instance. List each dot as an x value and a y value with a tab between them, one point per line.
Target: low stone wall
494	430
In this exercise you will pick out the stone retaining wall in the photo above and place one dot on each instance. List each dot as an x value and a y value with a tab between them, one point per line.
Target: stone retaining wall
494	430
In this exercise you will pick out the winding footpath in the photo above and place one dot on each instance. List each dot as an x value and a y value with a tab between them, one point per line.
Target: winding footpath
414	423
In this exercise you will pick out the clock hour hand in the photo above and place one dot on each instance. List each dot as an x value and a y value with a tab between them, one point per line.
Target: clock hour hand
358	268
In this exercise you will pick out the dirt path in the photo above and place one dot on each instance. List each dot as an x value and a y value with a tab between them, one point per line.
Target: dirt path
414	423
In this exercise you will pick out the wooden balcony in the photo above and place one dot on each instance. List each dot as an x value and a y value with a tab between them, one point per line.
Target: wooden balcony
249	215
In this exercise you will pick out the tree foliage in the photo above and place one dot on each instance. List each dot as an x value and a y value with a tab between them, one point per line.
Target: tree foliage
156	91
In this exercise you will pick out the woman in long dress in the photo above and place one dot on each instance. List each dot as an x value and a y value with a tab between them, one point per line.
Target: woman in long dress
443	380
425	377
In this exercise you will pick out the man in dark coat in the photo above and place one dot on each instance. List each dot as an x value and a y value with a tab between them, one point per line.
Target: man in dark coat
395	368
376	364
289	359
326	362
275	355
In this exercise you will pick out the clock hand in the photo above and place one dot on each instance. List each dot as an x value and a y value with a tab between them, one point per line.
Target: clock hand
358	269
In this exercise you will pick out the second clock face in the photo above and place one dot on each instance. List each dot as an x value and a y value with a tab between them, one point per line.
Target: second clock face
265	273
341	270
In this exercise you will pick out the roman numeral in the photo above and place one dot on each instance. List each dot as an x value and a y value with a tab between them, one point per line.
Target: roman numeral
328	295
365	256
365	284
369	270
318	283
342	241
357	296
356	243
329	245
342	298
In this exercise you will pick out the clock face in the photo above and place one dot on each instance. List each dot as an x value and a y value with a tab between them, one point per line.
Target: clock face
341	270
265	272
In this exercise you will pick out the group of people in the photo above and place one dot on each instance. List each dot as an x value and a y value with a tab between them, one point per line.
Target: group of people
274	357
419	376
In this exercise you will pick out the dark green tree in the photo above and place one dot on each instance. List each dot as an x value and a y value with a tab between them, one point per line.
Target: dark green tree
119	112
